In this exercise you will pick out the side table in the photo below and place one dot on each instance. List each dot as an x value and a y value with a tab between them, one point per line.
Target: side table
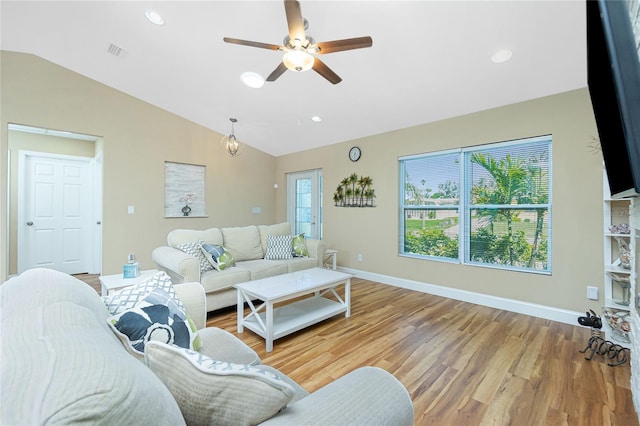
116	281
331	259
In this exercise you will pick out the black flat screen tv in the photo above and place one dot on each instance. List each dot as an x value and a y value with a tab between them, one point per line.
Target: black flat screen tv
613	75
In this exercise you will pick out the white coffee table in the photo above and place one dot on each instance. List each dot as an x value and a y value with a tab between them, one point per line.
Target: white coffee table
273	323
116	281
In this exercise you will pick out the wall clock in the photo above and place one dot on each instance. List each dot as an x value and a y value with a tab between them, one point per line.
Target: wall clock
354	153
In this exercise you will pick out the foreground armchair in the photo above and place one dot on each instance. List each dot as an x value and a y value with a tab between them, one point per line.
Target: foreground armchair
62	363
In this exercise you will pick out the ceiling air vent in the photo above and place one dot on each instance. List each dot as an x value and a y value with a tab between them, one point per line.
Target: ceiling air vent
116	50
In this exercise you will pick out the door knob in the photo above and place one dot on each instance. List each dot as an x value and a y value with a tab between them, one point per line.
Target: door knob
98	223
29	223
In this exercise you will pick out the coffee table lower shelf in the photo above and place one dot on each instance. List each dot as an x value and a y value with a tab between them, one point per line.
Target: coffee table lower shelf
293	317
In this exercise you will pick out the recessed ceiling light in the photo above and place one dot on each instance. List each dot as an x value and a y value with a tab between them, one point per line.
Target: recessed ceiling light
502	55
316	119
252	79
154	17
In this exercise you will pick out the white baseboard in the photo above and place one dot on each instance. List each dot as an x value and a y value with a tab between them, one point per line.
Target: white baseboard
526	308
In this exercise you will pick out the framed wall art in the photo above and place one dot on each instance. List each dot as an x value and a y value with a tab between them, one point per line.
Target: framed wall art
184	190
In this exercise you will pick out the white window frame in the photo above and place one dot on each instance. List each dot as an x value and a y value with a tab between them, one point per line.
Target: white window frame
464	207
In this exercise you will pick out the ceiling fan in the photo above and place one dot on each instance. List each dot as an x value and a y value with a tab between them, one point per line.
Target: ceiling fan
300	49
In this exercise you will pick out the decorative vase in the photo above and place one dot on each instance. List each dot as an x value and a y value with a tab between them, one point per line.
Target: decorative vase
186	210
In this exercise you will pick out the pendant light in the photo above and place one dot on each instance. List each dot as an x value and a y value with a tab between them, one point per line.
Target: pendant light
231	143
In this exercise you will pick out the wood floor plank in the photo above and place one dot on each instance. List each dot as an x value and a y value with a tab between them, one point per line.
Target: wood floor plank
462	364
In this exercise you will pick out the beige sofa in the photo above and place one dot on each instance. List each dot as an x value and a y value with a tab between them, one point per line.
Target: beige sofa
247	245
60	363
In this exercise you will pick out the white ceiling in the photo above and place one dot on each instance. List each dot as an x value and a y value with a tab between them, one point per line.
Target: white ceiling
430	60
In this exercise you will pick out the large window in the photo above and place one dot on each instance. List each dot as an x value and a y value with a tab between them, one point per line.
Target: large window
488	205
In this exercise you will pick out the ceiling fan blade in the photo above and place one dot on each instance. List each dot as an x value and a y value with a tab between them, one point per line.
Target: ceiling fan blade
325	71
346	44
294	20
252	43
277	72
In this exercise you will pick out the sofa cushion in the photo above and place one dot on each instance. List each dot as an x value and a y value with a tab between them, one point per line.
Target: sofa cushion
61	364
299	244
214	392
262	268
194	249
243	242
129	297
283	228
220	280
184	236
300	263
156	317
218	256
279	247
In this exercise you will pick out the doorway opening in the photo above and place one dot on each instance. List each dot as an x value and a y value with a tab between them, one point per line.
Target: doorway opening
304	202
55	200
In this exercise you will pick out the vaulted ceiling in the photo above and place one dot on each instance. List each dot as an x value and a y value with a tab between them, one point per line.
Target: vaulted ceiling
430	60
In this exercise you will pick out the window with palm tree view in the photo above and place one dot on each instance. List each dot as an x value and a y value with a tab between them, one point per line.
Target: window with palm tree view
485	205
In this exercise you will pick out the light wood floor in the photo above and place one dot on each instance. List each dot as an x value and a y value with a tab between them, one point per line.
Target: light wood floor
462	364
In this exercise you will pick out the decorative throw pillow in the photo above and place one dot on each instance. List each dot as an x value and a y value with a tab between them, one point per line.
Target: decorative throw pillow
218	256
279	247
156	317
210	391
194	249
300	246
128	297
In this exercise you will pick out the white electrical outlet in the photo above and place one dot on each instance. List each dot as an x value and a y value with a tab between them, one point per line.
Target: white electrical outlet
131	209
592	293
359	257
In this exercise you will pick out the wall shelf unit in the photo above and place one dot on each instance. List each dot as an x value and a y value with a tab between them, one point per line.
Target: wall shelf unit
619	268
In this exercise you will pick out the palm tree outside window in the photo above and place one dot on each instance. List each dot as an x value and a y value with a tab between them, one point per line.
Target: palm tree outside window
488	205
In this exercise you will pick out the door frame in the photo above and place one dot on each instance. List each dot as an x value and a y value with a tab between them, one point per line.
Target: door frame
94	261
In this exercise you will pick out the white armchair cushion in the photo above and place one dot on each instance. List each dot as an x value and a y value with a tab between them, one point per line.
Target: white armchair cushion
214	392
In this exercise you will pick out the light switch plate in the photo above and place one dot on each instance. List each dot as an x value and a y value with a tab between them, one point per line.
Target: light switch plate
592	293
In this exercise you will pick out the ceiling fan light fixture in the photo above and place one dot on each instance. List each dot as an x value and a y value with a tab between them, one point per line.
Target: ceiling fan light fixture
298	60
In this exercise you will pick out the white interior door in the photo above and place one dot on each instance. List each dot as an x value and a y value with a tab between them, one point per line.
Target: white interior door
55	225
304	202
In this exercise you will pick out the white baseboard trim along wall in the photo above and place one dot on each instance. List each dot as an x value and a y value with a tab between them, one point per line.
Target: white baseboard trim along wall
540	311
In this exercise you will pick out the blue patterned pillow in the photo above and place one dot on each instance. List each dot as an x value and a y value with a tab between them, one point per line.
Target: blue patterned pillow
156	317
218	256
279	247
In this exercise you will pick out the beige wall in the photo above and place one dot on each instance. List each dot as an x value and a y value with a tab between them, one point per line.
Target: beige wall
138	138
576	212
34	142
